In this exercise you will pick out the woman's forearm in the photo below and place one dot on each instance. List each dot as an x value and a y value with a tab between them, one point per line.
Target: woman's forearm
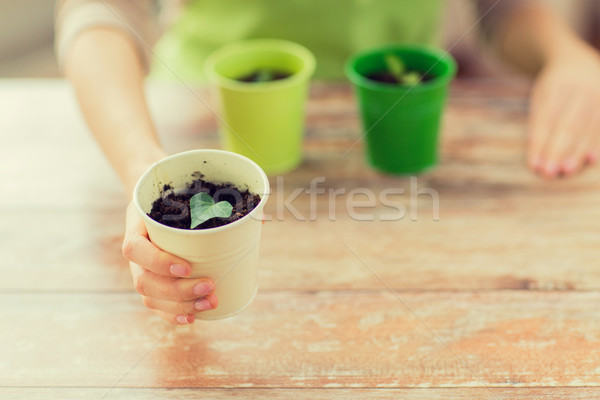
563	126
107	74
534	34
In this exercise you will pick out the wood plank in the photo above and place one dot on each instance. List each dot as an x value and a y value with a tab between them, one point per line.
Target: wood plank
307	340
548	248
322	319
546	229
460	185
482	141
582	393
482	146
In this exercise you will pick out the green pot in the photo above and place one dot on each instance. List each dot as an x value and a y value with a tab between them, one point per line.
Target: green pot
263	121
401	123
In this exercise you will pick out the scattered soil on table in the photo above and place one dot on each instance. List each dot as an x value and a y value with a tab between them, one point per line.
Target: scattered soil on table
173	208
386	77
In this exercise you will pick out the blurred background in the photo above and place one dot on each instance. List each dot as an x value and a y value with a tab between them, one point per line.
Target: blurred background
26	36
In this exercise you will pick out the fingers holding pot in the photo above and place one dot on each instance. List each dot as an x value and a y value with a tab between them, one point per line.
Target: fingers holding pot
137	248
173	296
179	308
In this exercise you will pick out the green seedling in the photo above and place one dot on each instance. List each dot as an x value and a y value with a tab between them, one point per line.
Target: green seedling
397	69
203	208
411	78
263	75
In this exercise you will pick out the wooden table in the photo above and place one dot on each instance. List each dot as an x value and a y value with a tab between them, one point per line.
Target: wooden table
498	299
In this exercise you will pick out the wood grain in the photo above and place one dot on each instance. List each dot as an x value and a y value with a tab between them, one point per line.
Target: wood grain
547	248
516	230
307	340
496	298
316	394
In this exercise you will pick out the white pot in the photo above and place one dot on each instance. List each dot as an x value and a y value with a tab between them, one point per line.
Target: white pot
227	254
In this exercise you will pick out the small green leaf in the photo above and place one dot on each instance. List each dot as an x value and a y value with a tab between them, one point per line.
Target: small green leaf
263	75
397	69
411	78
395	66
203	208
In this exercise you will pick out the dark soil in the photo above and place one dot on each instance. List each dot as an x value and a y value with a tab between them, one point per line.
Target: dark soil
386	77
258	76
173	209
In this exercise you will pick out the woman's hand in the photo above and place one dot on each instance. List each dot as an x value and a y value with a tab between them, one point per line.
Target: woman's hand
160	277
564	121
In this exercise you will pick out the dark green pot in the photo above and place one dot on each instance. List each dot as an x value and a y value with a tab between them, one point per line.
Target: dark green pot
401	123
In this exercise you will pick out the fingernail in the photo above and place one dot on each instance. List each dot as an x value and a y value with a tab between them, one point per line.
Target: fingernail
214	301
182	319
536	163
202	289
202	305
569	166
179	270
551	169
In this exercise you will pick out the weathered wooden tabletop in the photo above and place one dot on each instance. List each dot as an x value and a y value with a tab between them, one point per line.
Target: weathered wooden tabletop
498	297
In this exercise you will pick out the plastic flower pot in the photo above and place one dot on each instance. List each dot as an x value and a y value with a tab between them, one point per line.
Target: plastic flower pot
263	121
401	123
227	254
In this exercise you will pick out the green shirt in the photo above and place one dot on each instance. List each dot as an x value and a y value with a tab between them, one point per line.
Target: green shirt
331	29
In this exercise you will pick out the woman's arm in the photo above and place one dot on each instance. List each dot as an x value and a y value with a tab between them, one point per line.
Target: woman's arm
106	67
103	49
564	127
107	75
